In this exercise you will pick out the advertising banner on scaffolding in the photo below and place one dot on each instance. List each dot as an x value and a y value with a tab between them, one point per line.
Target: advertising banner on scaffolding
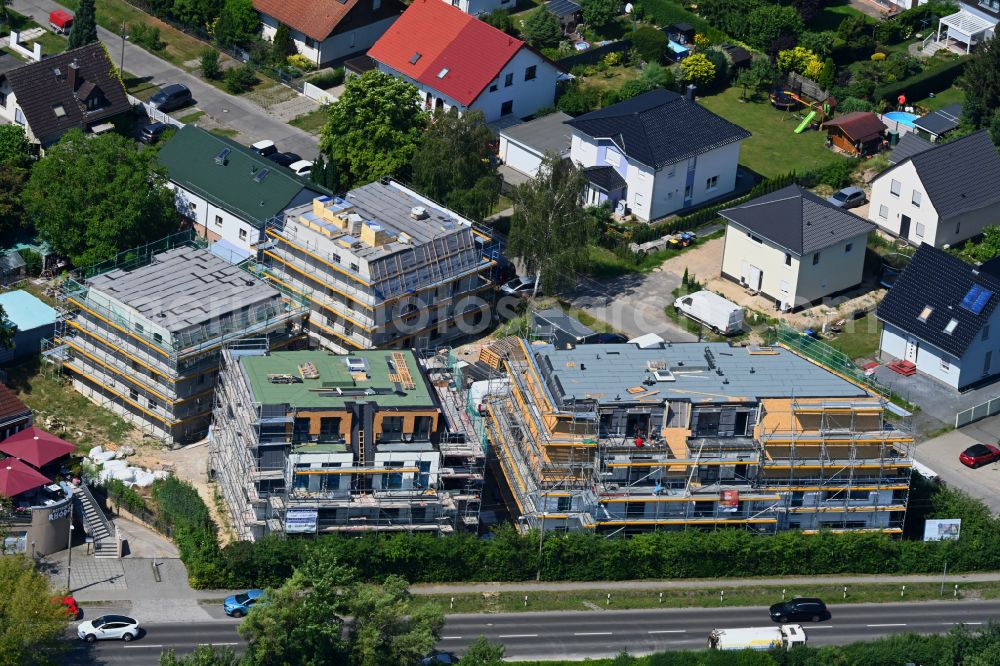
946	529
729	500
301	521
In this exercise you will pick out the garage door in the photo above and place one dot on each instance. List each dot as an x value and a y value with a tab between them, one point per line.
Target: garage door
518	157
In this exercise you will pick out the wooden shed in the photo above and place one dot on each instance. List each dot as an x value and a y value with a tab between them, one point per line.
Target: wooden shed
860	133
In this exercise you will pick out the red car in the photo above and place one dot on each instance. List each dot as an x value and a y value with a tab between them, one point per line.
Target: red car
978	455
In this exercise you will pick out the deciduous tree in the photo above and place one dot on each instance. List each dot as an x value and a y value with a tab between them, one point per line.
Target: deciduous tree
91	197
600	13
483	652
238	24
388	626
981	83
374	128
541	29
31	624
84	30
766	24
649	42
549	229
698	69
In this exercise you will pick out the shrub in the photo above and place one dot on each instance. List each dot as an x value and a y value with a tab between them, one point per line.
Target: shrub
851	104
576	99
125	497
668	12
210	64
32	262
878	56
146	36
920	85
299	61
650	43
698	69
240	79
327	80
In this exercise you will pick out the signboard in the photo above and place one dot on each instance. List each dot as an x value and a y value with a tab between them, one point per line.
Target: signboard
946	529
59	513
729	500
301	521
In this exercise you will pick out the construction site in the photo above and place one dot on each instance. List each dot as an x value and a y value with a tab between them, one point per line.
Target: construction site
141	334
623	439
312	442
382	267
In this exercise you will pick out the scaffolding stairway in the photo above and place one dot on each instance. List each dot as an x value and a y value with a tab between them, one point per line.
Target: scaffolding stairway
95	523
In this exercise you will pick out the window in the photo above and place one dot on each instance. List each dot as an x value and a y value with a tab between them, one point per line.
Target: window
138	327
848	248
530	73
883	212
494	86
788	258
157	337
915	200
152	403
919	231
192	205
958	227
925	313
132	393
895	187
311	43
711	183
815	258
218	220
355	268
986	332
243	234
507	108
952	325
945	365
508	80
755	239
688	189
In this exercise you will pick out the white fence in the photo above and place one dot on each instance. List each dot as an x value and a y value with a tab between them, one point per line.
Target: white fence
155	114
981	411
317	93
15	44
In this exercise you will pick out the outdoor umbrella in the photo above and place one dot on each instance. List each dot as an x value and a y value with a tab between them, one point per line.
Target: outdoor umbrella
16	477
35	446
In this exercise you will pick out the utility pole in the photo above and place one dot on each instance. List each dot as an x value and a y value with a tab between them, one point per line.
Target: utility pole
69	560
121	67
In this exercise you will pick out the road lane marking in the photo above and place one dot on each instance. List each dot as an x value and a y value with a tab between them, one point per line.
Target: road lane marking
952	624
668	631
825	626
451	638
594	633
141	645
886	625
518	636
219	644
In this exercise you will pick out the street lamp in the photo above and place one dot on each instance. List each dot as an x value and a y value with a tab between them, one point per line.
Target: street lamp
69	561
121	67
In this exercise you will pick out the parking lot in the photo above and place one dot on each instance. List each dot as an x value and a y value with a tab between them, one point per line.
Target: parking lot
941	455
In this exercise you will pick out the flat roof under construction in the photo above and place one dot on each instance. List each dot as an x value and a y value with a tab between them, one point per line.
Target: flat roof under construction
698	372
305	392
184	287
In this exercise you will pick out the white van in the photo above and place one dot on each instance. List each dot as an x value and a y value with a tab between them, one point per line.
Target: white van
714	311
757	638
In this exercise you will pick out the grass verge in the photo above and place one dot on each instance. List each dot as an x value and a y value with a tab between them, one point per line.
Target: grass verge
860	338
192	117
311	122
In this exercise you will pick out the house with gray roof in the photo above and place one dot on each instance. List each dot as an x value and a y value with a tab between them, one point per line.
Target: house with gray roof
942	195
909	145
523	146
658	153
794	247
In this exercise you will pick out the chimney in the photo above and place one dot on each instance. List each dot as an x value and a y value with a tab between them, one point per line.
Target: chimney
689	92
72	75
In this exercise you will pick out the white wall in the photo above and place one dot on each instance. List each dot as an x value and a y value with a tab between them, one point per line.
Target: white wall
897	206
930	360
229	227
336	46
518	156
777	280
838	269
528	96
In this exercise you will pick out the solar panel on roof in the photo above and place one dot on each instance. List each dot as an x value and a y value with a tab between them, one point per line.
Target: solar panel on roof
976	299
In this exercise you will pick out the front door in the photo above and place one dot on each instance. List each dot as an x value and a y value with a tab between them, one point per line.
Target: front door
911	350
987	362
904	226
755	278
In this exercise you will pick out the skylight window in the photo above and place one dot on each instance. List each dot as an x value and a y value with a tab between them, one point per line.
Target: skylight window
415	57
442	73
952	325
59	110
976	299
925	313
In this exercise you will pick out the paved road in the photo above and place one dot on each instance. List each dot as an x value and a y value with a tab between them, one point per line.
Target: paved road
246	117
578	635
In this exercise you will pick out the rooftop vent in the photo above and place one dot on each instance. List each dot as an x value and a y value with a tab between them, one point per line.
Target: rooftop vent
261	175
356	364
223	155
664	376
419	213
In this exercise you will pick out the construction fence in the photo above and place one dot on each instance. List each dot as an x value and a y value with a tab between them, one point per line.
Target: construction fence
831	359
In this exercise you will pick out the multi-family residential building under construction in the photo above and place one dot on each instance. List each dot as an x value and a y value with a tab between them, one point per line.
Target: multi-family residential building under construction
382	267
307	442
622	439
141	334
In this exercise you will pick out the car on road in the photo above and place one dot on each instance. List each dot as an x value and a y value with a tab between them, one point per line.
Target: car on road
284	159
800	609
978	455
439	658
264	148
849	197
239	605
520	286
108	627
301	168
170	97
151	133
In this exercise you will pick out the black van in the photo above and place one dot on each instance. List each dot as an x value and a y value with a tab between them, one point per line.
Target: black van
171	97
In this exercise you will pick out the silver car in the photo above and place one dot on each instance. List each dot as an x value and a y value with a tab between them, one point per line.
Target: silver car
108	627
849	197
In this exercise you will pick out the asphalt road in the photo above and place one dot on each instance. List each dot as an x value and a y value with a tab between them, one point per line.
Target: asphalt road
577	635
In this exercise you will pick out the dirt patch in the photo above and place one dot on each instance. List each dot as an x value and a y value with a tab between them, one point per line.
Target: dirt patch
268	96
703	262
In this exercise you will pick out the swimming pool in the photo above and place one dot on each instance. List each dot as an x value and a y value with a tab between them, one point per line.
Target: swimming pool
679	50
902	117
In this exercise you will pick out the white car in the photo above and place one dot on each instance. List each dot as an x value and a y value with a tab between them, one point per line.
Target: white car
520	286
108	627
301	168
264	148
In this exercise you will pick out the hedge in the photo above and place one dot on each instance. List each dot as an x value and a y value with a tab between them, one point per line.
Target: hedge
921	85
666	13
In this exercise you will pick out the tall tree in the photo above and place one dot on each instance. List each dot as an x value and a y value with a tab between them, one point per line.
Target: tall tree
15	159
282	45
91	197
600	13
549	229
452	163
541	29
766	24
84	30
238	24
483	652
981	83
388	626
32	625
374	128
14	146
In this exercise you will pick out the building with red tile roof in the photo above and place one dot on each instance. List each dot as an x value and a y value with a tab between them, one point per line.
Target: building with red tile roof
14	414
456	60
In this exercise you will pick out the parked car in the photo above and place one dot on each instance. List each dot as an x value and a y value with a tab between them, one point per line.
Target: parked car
264	148
108	627
284	159
301	168
978	455
61	21
239	605
438	657
520	286
707	307
69	603
170	97
152	132
800	609
849	197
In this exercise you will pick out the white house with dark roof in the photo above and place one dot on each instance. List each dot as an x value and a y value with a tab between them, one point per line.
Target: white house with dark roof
658	152
523	146
794	247
942	195
941	314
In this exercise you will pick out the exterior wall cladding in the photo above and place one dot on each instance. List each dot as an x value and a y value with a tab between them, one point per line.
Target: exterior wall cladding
623	440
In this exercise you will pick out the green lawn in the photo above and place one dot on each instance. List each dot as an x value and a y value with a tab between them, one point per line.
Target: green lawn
193	117
860	338
942	99
51	43
225	131
833	14
311	122
774	149
604	263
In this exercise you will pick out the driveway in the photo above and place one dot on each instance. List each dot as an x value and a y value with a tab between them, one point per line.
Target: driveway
251	121
941	455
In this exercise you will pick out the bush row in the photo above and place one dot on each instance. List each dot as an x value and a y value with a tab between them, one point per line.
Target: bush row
920	85
665	13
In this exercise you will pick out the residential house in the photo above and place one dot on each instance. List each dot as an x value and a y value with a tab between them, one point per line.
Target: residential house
860	133
909	144
228	191
523	146
34	319
941	314
617	439
14	414
794	247
480	7
658	152
78	89
457	61
326	31
942	195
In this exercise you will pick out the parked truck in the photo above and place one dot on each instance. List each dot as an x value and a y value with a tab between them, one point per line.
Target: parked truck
781	636
60	21
714	311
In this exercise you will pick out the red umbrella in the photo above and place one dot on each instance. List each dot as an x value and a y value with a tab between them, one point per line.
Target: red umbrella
36	447
16	477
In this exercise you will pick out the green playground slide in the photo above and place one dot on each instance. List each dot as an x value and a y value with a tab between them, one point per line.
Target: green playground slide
805	123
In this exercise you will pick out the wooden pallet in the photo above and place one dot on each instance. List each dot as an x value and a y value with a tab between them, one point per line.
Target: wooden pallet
403	371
